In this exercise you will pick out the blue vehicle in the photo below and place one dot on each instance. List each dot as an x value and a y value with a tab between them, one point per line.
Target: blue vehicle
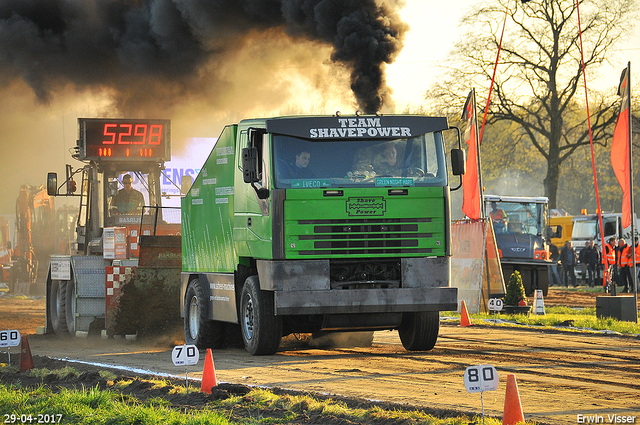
520	226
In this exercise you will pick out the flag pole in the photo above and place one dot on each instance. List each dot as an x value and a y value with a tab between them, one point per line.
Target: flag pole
493	78
603	256
633	221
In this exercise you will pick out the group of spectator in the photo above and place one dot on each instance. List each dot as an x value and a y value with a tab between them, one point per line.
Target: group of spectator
565	262
620	259
619	255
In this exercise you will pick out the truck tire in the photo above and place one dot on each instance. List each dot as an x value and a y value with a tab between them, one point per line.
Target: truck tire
198	329
58	307
261	328
419	331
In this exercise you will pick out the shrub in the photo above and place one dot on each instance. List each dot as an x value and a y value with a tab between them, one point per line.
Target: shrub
515	289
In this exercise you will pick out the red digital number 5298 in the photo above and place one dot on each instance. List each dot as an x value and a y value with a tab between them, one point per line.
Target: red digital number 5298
126	134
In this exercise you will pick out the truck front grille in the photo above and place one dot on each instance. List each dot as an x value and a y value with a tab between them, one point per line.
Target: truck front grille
364	236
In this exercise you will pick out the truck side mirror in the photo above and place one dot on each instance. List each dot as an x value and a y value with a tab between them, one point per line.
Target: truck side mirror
52	184
185	184
262	193
250	164
458	162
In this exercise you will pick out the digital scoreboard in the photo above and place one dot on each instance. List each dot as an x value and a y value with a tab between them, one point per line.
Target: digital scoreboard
124	139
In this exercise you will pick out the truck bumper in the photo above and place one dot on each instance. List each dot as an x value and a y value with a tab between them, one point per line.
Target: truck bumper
366	301
525	262
303	287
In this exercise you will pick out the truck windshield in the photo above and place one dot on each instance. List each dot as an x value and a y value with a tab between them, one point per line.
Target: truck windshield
417	161
517	217
589	229
585	229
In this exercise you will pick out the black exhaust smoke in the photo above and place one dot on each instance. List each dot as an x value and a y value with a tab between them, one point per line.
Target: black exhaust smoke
131	46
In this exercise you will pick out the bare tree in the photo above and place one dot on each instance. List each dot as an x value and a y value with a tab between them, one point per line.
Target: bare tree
539	78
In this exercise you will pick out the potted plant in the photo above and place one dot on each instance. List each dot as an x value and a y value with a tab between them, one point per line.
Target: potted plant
515	301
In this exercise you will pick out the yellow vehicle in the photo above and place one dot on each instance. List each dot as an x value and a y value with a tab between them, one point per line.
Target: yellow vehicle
561	229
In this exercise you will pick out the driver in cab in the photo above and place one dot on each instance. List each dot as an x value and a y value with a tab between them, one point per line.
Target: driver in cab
499	217
128	200
383	164
386	163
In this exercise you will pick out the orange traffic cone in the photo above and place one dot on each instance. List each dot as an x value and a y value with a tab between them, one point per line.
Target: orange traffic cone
512	406
464	315
209	374
26	361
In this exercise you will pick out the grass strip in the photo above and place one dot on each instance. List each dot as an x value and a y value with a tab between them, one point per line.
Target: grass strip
557	316
260	406
94	406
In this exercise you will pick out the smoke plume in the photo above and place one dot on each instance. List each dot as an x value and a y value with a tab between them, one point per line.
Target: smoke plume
172	48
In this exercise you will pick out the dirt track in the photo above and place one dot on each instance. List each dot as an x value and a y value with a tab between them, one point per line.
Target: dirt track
26	314
560	375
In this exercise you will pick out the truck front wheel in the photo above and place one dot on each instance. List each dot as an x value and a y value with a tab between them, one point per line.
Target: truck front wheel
198	329
261	328
58	307
419	331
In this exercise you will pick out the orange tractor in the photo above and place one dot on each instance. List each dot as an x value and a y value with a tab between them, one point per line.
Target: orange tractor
40	231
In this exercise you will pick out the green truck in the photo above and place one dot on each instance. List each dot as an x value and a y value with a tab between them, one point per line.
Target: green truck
315	224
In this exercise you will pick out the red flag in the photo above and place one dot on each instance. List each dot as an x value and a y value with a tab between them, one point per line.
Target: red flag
620	150
471	204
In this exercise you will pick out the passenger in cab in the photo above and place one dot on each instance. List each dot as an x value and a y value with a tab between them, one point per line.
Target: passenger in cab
298	168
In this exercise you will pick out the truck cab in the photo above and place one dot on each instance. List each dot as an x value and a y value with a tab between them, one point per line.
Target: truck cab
318	224
587	228
561	229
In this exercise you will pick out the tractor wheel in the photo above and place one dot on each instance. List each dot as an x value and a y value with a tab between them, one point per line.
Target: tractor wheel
419	331
58	307
198	329
261	328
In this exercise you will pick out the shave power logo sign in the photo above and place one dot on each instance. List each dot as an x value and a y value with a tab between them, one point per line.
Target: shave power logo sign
366	206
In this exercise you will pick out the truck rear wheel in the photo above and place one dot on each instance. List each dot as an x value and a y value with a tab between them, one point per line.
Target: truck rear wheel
419	331
198	329
261	328
58	307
